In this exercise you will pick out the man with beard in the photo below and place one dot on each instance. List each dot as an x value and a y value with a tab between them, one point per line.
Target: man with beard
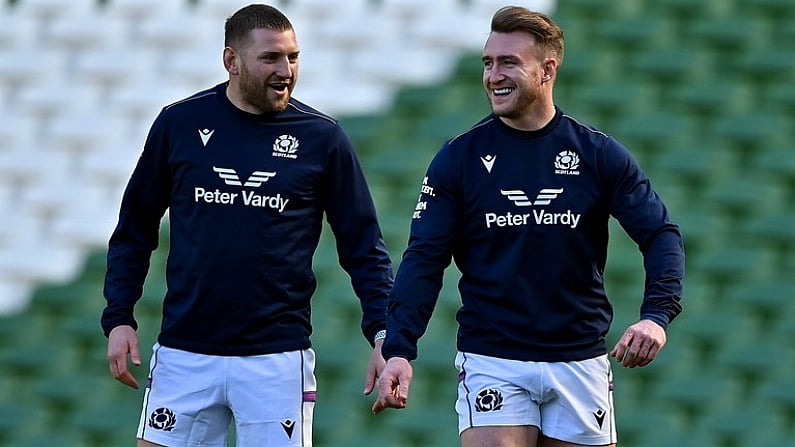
247	174
521	202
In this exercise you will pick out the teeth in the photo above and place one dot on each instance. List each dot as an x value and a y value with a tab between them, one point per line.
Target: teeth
502	91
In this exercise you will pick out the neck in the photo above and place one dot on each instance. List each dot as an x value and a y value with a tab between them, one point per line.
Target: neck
535	117
234	96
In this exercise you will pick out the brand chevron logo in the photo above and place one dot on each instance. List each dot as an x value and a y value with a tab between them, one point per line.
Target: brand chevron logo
205	135
255	180
599	415
519	197
288	425
488	161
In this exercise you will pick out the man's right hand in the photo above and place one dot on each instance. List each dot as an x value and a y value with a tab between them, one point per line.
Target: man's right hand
123	342
393	385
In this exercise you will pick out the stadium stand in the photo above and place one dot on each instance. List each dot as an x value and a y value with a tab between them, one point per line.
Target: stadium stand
700	90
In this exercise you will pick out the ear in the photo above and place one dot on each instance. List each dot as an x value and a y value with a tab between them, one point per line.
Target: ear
231	61
550	69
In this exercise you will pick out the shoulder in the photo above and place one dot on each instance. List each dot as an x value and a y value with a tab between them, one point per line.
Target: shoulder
478	130
577	127
587	137
299	110
209	94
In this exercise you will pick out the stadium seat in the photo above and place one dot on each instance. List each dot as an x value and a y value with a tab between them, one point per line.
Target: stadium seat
32	439
16	30
735	263
728	32
220	10
753	358
752	194
770	298
773	62
198	67
777	161
696	394
104	68
706	331
638	427
22	417
44	11
733	424
136	12
78	32
467	33
611	98
779	390
705	97
34	359
631	33
105	419
671	66
774	8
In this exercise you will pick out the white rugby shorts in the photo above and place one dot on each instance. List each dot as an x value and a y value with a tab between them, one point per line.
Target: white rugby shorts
569	401
191	399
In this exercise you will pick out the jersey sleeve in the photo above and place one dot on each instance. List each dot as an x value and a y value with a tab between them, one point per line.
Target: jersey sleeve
428	254
136	235
643	215
351	214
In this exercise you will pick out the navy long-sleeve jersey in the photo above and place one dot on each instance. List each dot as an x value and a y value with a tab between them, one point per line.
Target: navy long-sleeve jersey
246	196
525	217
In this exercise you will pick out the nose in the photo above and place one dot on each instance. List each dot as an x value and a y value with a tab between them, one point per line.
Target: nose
492	75
284	68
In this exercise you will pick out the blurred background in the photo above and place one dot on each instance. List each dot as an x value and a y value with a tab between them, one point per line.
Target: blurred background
701	91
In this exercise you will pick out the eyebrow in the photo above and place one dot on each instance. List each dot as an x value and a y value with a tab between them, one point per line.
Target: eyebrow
501	57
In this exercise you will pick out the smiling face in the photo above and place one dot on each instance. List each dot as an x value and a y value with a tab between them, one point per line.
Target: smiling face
514	74
263	71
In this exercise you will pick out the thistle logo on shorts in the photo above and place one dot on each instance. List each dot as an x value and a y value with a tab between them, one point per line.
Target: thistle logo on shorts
567	163
488	400
163	419
285	146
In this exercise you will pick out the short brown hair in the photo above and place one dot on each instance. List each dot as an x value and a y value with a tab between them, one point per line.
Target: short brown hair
251	17
548	34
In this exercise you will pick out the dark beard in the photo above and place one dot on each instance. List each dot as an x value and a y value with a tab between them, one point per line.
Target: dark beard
256	94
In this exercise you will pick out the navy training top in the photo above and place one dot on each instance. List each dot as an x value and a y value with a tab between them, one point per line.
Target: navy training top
246	195
525	214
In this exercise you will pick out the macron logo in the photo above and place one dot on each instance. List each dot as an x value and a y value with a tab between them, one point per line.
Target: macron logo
488	161
205	135
256	179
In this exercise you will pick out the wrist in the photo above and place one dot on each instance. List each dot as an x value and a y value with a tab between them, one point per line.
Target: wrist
380	335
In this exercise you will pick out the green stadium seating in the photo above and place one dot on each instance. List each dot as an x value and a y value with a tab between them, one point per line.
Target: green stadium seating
678	438
672	66
730	424
705	97
727	32
630	33
780	390
694	395
60	439
753	360
708	330
776	161
749	195
768	299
